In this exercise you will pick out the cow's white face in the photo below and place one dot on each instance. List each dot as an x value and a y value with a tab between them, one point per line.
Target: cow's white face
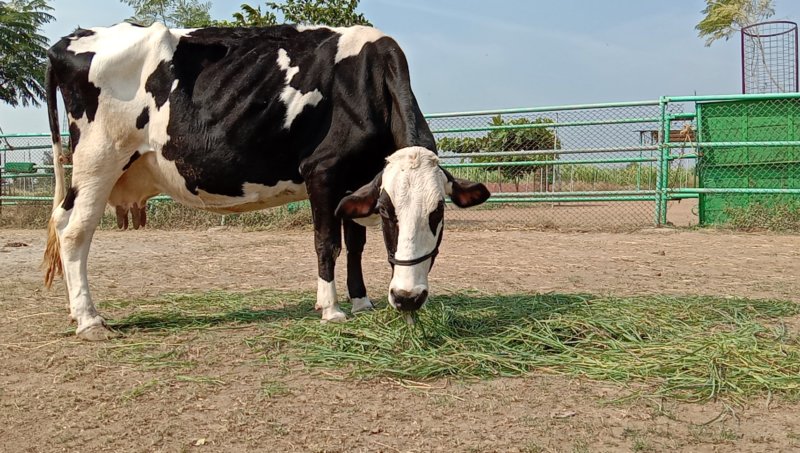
409	195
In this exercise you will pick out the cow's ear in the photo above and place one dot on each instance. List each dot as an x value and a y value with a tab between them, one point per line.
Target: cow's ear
465	193
361	203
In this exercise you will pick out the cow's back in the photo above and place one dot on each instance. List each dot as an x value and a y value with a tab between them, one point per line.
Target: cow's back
232	114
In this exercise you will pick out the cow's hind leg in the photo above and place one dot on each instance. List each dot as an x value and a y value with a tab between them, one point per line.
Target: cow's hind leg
355	236
75	221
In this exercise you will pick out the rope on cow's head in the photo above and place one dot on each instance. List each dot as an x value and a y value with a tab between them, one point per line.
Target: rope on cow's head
414	261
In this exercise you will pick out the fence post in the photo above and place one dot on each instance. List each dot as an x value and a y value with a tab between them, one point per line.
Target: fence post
662	176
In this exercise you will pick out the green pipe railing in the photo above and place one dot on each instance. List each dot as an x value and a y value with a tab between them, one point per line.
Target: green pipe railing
545	125
554	108
571	199
25	198
585	193
26	148
732	97
537	152
32	135
748	190
534	163
770	144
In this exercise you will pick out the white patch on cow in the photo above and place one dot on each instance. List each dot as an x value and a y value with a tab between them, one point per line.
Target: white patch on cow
81	308
182	32
256	196
326	301
295	100
351	39
369	221
415	184
95	171
302	27
361	304
124	56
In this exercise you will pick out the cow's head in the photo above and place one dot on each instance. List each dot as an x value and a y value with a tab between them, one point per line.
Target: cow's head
409	195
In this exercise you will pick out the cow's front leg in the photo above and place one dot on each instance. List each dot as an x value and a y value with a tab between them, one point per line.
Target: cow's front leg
355	236
328	244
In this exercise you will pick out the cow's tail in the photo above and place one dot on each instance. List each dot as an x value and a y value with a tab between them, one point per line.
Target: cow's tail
409	127
51	263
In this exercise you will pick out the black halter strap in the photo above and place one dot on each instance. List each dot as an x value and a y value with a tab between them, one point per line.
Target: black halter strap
414	261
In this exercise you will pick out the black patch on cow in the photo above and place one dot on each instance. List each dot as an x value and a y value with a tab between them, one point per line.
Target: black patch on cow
136	24
436	217
159	83
143	118
355	236
192	58
69	199
226	115
133	158
72	73
74	136
80	33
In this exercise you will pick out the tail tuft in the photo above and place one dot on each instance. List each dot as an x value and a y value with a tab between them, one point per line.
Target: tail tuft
51	263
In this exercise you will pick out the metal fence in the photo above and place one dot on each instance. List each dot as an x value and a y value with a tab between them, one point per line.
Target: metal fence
584	166
26	168
594	166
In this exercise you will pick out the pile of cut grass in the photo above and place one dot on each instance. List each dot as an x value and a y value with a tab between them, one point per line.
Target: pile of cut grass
688	348
685	348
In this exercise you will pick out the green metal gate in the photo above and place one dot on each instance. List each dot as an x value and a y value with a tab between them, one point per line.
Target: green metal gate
747	156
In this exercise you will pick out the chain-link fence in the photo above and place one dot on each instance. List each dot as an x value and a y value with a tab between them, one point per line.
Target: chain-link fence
677	160
585	166
26	168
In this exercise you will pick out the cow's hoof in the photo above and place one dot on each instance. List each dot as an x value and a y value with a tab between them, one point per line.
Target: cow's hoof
362	304
97	332
333	315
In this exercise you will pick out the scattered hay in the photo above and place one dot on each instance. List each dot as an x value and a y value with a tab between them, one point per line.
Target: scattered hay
687	348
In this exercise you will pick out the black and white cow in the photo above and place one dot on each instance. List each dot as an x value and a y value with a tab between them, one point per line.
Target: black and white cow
239	119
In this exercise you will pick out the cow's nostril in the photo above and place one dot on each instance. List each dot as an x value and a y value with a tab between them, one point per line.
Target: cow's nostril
408	300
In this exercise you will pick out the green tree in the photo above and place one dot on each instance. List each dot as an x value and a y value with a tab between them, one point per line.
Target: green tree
253	17
510	139
172	13
334	13
723	18
23	51
195	13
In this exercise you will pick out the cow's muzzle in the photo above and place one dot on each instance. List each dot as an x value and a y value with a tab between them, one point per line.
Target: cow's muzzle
408	300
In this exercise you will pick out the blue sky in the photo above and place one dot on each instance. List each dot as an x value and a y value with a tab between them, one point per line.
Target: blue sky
480	54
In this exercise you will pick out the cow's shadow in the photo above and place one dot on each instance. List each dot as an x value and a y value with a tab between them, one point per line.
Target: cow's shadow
464	315
211	309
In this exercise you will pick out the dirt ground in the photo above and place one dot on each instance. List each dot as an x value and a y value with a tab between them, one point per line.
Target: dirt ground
58	393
